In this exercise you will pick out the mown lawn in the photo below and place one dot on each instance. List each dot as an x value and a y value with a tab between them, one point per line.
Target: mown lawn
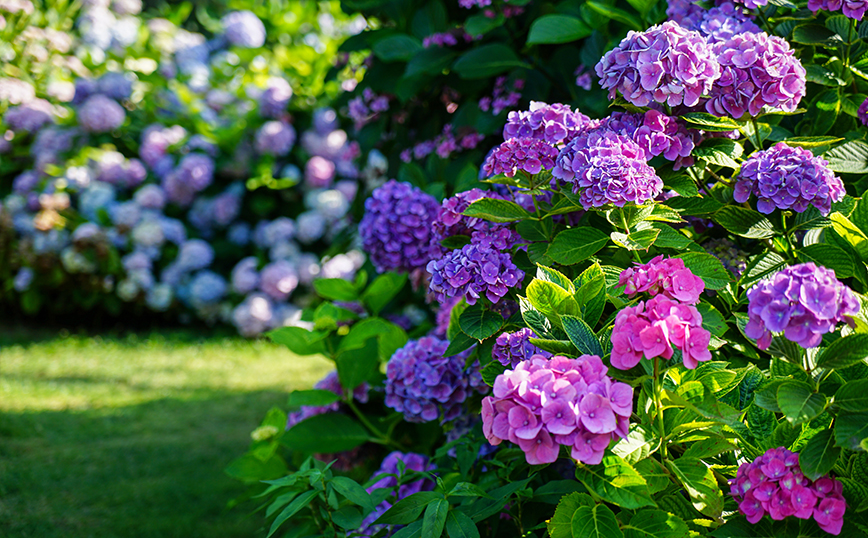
127	437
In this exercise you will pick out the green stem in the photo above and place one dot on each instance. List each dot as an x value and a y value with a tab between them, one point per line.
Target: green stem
627	228
756	134
658	386
379	437
849	43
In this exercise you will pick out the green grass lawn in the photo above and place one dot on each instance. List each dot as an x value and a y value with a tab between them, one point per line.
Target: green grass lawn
128	436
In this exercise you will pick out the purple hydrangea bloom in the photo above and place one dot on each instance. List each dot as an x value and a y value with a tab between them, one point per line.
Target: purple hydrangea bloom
478	269
26	182
825	5
608	168
156	140
275	138
774	484
665	64
554	124
788	178
114	85
656	133
275	98
803	302
725	21
687	13
331	383
206	288
757	70
254	315
30	117
544	403
194	254
425	385
512	348
245	277
396	229
450	221
734	259
753	4
278	279
528	154
863	112
99	114
150	197
393	477
244	29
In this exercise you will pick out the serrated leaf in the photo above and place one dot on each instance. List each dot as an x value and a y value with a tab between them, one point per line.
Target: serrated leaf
853	396
708	268
582	336
744	222
844	352
616	481
798	402
707	122
561	523
699	482
640	240
829	256
819	455
576	244
655	524
851	431
595	521
849	158
480	323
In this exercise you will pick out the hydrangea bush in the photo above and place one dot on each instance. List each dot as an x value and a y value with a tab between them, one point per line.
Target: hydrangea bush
665	300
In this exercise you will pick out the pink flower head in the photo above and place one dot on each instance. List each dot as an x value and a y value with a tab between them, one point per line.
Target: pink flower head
668	276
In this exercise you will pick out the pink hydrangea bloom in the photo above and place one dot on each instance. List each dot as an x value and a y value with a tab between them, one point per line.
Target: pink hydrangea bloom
666	276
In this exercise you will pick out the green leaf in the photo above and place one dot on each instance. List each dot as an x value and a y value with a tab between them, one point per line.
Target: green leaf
397	47
335	289
325	434
297	504
561	523
491	371
555	277
850	233
708	268
844	352
486	61
616	14
682	184
819	456
708	447
496	210
582	336
744	222
851	431
849	158
249	468
591	294
480	24
707	122
299	341
479	322
347	517
830	256
357	365
720	152
552	300
576	244
694	206
408	509
351	489
313	397
640	240
460	342
699	482
430	61
655	524
853	396
811	141
434	519
617	482
558	347
814	34
382	290
799	403
459	525
551	29
824	112
595	521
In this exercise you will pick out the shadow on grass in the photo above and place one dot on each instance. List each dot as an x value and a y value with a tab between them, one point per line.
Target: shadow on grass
149	470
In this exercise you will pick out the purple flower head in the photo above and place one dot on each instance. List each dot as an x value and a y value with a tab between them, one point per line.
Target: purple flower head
425	385
656	133
607	168
245	277
244	29
687	13
395	477
863	112
554	124
787	177
396	229
757	70
668	277
331	383
546	402
99	114
728	253
194	254
773	484
254	315
803	301
207	288
450	221
512	348
275	138
725	21
528	154
478	269
665	64
278	279
275	98
114	85
26	182
31	117
319	172
855	9
156	140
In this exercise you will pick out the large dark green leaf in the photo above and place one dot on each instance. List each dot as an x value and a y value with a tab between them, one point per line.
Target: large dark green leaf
459	525
596	521
655	524
382	290
576	244
336	289
617	482
486	61
616	14
699	482
561	523
582	336
853	396
708	268
744	222
325	434
550	29
434	520
845	352
430	61
819	456
496	210
851	431
299	341
398	47
829	256
799	403
478	322
357	365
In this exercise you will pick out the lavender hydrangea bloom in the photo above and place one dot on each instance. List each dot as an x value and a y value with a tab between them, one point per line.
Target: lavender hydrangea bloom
425	385
392	476
194	254
244	29
687	13
254	315
757	70
855	9
665	64
245	277
207	288
863	112
278	279
654	132
528	154
396	229
275	138
477	269
450	221
788	178
512	348
725	21
26	182
99	114
554	124
803	301
114	85
607	168
753	4
275	98
30	117
150	197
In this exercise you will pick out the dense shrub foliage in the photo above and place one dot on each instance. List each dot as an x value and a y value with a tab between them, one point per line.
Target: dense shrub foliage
665	302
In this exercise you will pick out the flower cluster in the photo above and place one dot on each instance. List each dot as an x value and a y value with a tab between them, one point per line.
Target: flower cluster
855	9
663	276
657	328
395	230
394	476
786	177
365	108
528	154
425	385
445	144
555	124
721	22
502	99
656	133
450	221
544	403
773	484
608	168
480	268
331	383
734	259
664	64
862	113
512	348
803	301
757	70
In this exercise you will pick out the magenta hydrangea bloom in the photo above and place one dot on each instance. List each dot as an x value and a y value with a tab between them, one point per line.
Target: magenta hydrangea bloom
477	269
757	70
425	385
547	402
863	112
787	177
528	154
331	383
657	328
555	124
668	277
774	484
396	229
654	132
664	64
803	302
608	168
512	348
